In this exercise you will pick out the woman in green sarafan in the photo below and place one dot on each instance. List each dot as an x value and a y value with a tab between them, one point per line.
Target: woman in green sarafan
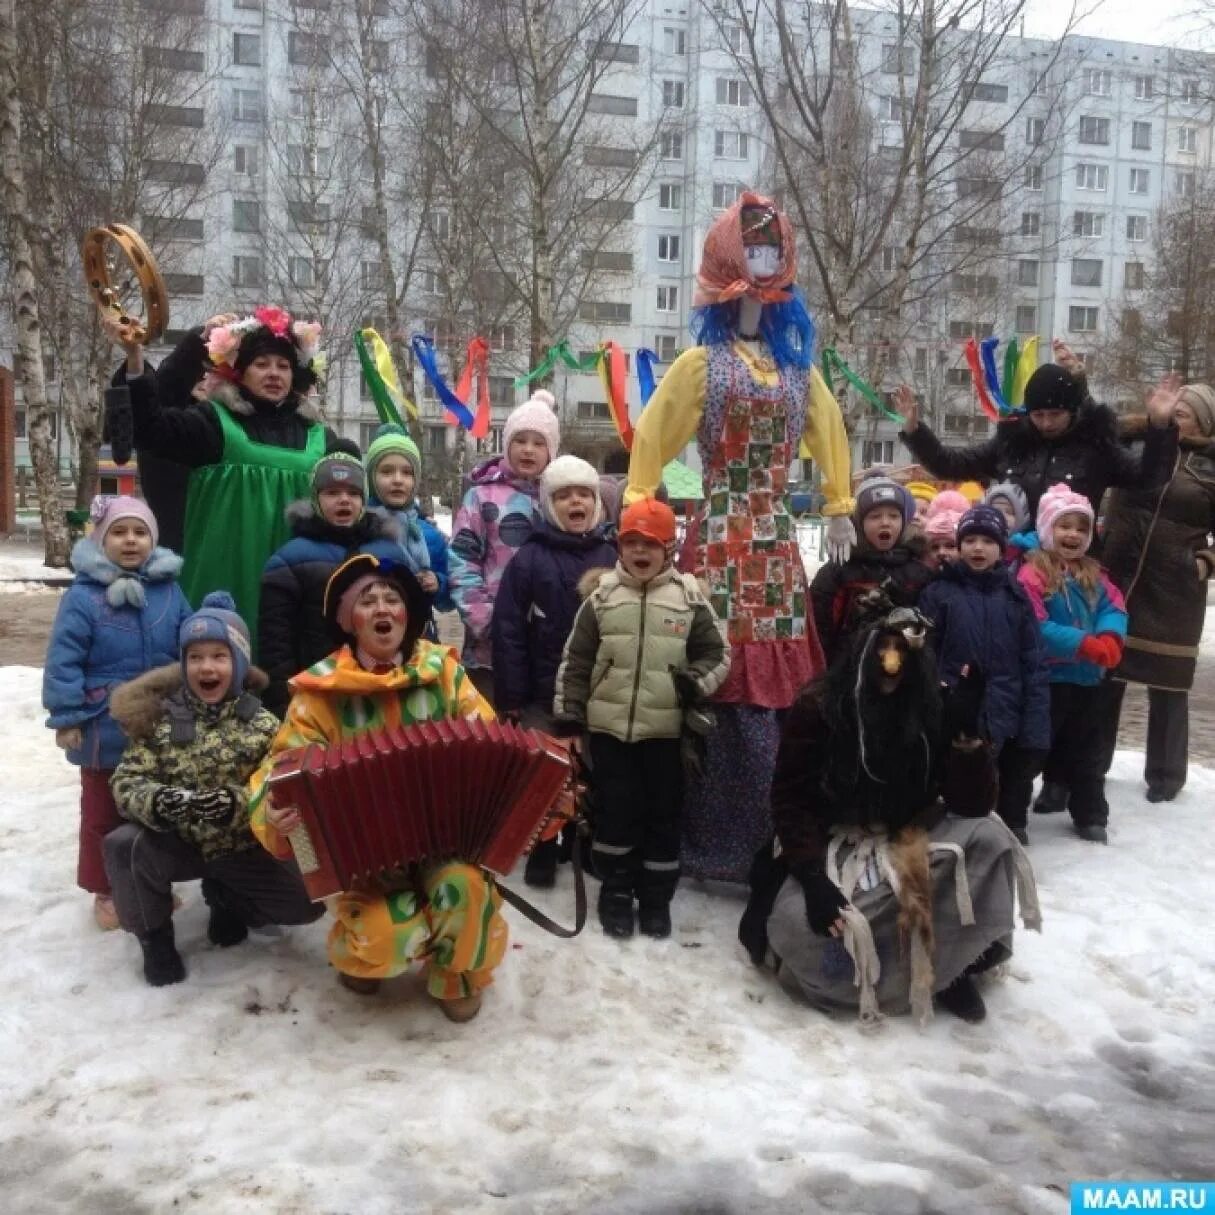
249	441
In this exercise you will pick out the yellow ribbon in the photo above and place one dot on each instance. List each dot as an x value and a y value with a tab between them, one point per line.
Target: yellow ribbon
1027	364
381	356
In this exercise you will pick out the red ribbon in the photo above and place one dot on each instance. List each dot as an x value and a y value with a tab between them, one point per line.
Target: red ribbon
975	364
616	381
476	362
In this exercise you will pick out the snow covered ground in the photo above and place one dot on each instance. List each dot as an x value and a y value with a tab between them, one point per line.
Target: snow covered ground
649	1077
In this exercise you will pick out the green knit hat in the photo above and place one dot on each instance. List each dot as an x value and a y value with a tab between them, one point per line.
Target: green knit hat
391	440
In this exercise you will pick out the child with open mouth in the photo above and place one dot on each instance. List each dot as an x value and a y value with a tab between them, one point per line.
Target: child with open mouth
536	604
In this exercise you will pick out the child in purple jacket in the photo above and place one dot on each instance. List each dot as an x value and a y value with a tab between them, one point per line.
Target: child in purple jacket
494	519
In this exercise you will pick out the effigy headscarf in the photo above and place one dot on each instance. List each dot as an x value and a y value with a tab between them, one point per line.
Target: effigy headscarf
723	276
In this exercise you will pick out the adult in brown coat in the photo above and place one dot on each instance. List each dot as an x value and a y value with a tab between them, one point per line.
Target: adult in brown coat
1158	551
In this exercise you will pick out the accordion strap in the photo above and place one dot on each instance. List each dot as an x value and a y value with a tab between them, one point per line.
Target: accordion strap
520	904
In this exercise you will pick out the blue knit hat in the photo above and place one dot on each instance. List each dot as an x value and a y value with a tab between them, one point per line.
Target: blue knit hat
217	620
984	520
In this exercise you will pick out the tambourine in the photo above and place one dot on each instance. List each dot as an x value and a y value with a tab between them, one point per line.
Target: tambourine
109	298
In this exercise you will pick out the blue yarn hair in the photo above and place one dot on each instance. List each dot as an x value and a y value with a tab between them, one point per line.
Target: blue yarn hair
787	328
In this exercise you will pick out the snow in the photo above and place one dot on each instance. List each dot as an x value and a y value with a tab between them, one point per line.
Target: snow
16	566
644	1077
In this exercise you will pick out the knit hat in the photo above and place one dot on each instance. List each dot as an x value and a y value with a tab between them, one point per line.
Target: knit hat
352	577
882	491
391	440
984	520
1201	399
1053	387
921	491
1014	495
106	511
942	524
338	470
649	518
562	473
949	499
1060	500
538	414
217	620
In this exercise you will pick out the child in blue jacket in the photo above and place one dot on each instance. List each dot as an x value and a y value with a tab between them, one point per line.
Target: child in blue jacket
1083	622
118	619
984	621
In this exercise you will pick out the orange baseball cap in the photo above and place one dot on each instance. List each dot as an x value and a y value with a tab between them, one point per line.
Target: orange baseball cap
649	518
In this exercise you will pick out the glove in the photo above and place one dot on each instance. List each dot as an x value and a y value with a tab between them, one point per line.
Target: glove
119	422
824	899
183	807
687	688
840	538
1105	649
964	703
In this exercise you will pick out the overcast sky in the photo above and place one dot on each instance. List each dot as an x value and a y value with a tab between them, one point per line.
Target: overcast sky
1162	22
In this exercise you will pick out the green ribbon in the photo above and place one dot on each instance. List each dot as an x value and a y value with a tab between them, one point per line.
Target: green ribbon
832	358
1011	355
560	353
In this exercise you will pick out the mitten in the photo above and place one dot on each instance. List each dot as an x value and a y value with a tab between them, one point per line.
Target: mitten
824	899
214	805
1105	649
964	703
119	422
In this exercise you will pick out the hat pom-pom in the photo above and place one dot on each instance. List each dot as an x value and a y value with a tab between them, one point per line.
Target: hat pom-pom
98	507
544	397
389	428
219	600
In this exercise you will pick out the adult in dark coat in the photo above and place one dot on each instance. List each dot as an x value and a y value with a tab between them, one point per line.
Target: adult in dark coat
1064	436
1158	551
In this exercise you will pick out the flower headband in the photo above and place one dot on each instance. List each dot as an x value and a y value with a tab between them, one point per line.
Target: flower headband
223	342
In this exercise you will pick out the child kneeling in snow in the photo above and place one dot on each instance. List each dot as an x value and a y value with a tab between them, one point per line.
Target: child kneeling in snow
385	674
197	733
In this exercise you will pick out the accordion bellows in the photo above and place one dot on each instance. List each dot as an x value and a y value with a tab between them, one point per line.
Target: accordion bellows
387	799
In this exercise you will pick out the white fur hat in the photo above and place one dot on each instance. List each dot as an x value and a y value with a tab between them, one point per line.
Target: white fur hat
562	473
538	413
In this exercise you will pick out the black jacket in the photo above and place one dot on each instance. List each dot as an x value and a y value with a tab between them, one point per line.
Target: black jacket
1088	456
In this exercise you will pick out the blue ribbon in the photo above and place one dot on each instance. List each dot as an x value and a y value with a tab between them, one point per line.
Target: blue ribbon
645	373
987	352
424	352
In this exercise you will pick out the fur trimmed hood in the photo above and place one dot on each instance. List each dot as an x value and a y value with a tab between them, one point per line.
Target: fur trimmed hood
139	706
88	561
224	392
376	523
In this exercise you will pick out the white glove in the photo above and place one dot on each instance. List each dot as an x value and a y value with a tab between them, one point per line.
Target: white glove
841	536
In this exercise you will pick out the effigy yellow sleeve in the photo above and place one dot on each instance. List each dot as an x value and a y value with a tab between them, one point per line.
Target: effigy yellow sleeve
825	441
668	423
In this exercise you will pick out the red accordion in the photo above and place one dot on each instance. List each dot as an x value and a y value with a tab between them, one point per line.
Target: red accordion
390	798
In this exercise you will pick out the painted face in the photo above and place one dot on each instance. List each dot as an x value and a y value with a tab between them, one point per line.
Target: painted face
891	653
980	552
574	507
882	527
642	557
1005	507
128	543
1072	533
763	261
269	377
942	549
1187	420
394	481
761	242
340	505
527	454
209	670
1051	423
379	619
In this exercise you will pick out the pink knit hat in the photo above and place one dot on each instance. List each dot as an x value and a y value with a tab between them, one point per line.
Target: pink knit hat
106	511
1060	500
948	499
538	414
942	524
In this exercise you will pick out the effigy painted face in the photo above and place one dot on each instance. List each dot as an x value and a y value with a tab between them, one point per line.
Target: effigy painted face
761	242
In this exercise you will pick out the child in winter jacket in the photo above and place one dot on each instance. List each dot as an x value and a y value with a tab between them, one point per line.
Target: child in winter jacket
197	732
881	560
984	622
394	467
1083	622
536	604
332	526
940	527
644	643
118	618
494	519
385	674
1010	500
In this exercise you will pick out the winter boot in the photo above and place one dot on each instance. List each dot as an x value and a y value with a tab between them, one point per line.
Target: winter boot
616	911
1022	835
962	999
654	918
225	928
162	964
1095	833
541	869
1162	793
1052	799
462	1008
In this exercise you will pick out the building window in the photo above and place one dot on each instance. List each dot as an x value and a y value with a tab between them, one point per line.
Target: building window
1136	227
1035	131
246	215
502	391
732	37
436	436
1141	136
668	299
617	52
897	60
246	105
987	92
1027	273
306	272
501	339
1187	139
1082	319
666	345
731	91
890	109
440	225
730	145
1033	177
1186	183
984	141
890	259
1189	92
175	172
668	248
1088	223
605	312
670	197
1092	177
245	161
185	284
174	58
674	41
672	94
371	275
1027	318
959	331
1144	90
308	216
1133	276
670	145
164	228
1094	130
1139	181
607	103
303	48
247	50
594	411
725	194
1031	223
877	451
957	377
1097	82
1086	271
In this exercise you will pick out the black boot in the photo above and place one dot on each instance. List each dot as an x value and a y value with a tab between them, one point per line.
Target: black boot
1094	833
1162	793
1052	799
962	999
616	911
162	963
225	928
654	917
541	868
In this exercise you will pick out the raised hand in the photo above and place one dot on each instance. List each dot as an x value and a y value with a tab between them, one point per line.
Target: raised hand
907	407
1067	358
1163	400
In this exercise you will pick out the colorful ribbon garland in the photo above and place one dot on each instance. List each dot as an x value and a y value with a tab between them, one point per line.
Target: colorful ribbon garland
973	361
1001	397
614	375
476	363
831	358
560	353
381	375
645	374
1027	364
424	352
987	356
